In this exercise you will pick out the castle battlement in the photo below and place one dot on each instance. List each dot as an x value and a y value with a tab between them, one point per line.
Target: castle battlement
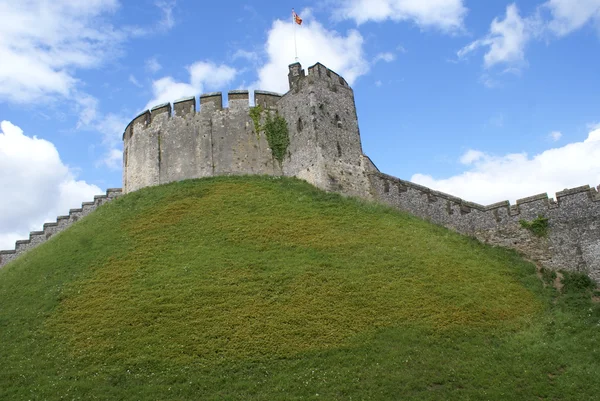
209	102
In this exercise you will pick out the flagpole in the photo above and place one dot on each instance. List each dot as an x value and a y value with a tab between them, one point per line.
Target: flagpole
295	43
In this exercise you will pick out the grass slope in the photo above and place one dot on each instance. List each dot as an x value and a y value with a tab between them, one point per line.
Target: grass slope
268	289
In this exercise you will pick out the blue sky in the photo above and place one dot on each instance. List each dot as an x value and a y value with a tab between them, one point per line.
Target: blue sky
485	100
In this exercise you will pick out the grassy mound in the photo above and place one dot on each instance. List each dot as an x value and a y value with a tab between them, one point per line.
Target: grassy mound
267	289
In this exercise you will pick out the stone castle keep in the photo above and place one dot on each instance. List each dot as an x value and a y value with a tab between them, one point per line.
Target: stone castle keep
170	144
323	147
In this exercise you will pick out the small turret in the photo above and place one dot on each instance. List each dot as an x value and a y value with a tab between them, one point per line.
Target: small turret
296	72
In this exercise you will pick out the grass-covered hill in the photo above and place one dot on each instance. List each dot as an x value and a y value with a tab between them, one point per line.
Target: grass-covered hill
252	288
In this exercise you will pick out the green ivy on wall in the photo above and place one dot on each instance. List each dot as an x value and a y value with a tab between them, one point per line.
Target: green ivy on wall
538	226
276	130
255	113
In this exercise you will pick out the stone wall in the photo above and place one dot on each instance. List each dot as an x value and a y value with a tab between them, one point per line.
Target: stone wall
162	146
573	240
62	222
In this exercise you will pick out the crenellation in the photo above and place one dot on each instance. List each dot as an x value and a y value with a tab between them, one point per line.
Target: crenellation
142	120
22	245
51	228
36	238
266	100
238	99
533	198
211	101
317	70
572	191
498	205
161	111
533	206
185	108
88	206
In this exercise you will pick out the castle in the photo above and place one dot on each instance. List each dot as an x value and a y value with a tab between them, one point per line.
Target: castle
312	133
169	144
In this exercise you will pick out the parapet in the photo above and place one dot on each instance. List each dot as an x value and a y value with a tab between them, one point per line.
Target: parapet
187	107
143	118
238	99
536	204
266	100
156	111
321	72
214	99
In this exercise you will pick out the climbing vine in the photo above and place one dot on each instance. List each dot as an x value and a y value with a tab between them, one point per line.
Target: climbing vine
278	135
538	226
276	130
255	113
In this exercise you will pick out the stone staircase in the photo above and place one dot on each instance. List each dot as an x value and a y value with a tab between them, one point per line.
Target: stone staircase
62	222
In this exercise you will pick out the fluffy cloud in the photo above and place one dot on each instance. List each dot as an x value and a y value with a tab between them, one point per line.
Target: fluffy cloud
37	186
446	15
570	15
491	179
508	37
506	40
203	76
343	54
41	43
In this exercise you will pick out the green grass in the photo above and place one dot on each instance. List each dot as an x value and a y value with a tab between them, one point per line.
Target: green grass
239	288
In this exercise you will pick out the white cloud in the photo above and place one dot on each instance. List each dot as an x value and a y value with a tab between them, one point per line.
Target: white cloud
203	75
555	135
471	156
247	55
134	81
111	127
168	21
87	108
37	186
42	43
570	15
113	159
152	65
343	54
446	15
496	178
506	40
388	57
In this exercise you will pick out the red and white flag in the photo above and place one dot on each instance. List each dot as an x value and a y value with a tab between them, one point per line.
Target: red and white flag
296	17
